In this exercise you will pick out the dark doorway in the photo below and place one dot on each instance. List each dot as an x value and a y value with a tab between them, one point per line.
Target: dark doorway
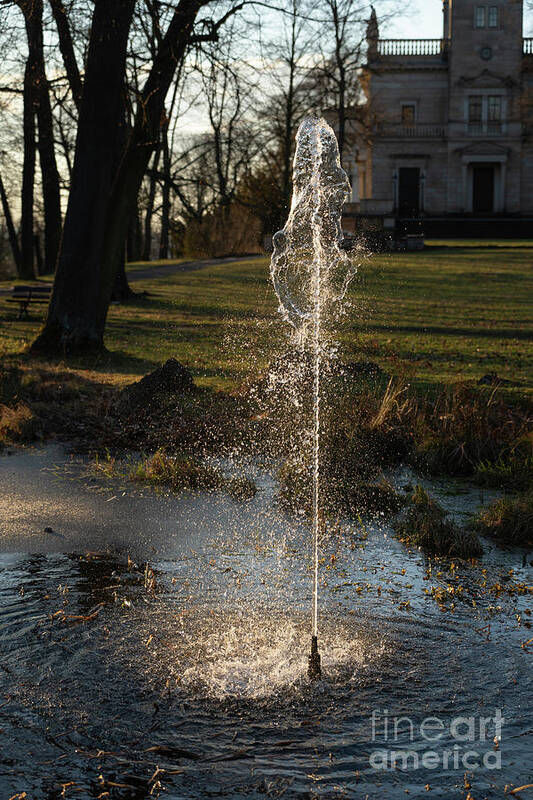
409	192
483	189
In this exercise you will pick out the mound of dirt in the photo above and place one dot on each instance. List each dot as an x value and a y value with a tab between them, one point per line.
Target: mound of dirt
168	381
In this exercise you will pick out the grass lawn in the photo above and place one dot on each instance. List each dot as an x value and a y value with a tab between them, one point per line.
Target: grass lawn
454	312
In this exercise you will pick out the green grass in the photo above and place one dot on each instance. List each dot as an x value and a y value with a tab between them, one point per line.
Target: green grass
454	312
450	313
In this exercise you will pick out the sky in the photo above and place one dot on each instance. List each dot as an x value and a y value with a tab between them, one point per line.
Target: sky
423	20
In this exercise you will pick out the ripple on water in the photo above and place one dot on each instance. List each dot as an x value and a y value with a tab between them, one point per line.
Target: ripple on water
252	653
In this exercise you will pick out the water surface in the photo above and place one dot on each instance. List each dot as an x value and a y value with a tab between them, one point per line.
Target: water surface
188	679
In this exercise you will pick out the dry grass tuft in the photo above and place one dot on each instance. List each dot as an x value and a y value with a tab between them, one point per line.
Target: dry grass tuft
17	424
395	406
464	427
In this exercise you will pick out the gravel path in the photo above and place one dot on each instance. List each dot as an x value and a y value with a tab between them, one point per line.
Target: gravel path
183	266
172	268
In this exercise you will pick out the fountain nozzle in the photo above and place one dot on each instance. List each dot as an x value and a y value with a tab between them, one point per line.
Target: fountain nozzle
313	670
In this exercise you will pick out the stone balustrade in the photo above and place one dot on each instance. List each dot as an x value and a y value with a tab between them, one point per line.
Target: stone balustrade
415	131
411	47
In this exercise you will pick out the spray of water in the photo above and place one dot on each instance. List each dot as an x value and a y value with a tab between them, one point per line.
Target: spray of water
310	273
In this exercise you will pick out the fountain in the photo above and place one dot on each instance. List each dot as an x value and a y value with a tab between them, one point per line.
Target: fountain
311	273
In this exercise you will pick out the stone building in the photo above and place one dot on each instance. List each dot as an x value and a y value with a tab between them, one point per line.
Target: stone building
447	133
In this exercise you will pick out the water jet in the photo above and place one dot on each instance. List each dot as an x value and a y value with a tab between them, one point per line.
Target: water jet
310	272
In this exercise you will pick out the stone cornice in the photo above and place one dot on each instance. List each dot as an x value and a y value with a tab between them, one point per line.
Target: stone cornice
405	68
506	80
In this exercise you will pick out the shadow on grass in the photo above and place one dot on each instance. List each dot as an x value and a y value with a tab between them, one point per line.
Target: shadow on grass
475	246
119	362
109	361
154	301
471	333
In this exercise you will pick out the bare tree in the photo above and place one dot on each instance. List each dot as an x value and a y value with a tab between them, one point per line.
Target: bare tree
337	73
101	201
39	104
11	232
66	47
27	269
334	81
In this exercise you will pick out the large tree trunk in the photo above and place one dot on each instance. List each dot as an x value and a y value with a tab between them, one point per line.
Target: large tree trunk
11	232
134	243
27	270
147	125
41	268
95	230
85	278
33	13
122	291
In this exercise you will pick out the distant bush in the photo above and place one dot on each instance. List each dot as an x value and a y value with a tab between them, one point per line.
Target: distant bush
224	232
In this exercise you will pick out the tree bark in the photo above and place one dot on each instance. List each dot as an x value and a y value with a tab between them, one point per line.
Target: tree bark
85	278
38	255
67	50
134	243
11	232
122	291
165	205
147	250
27	270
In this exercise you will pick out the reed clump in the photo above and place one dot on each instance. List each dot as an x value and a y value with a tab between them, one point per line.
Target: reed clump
189	474
341	494
464	431
426	525
474	432
509	520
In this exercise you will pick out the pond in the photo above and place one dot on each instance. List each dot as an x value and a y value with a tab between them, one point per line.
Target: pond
157	645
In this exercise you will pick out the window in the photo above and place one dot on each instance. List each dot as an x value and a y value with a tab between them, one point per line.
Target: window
495	109
485	114
475	108
408	113
494	17
487	16
494	113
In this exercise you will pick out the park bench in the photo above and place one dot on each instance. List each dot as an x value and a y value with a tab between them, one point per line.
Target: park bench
25	296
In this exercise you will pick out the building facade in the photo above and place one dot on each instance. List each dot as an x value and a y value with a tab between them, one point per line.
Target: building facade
447	130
